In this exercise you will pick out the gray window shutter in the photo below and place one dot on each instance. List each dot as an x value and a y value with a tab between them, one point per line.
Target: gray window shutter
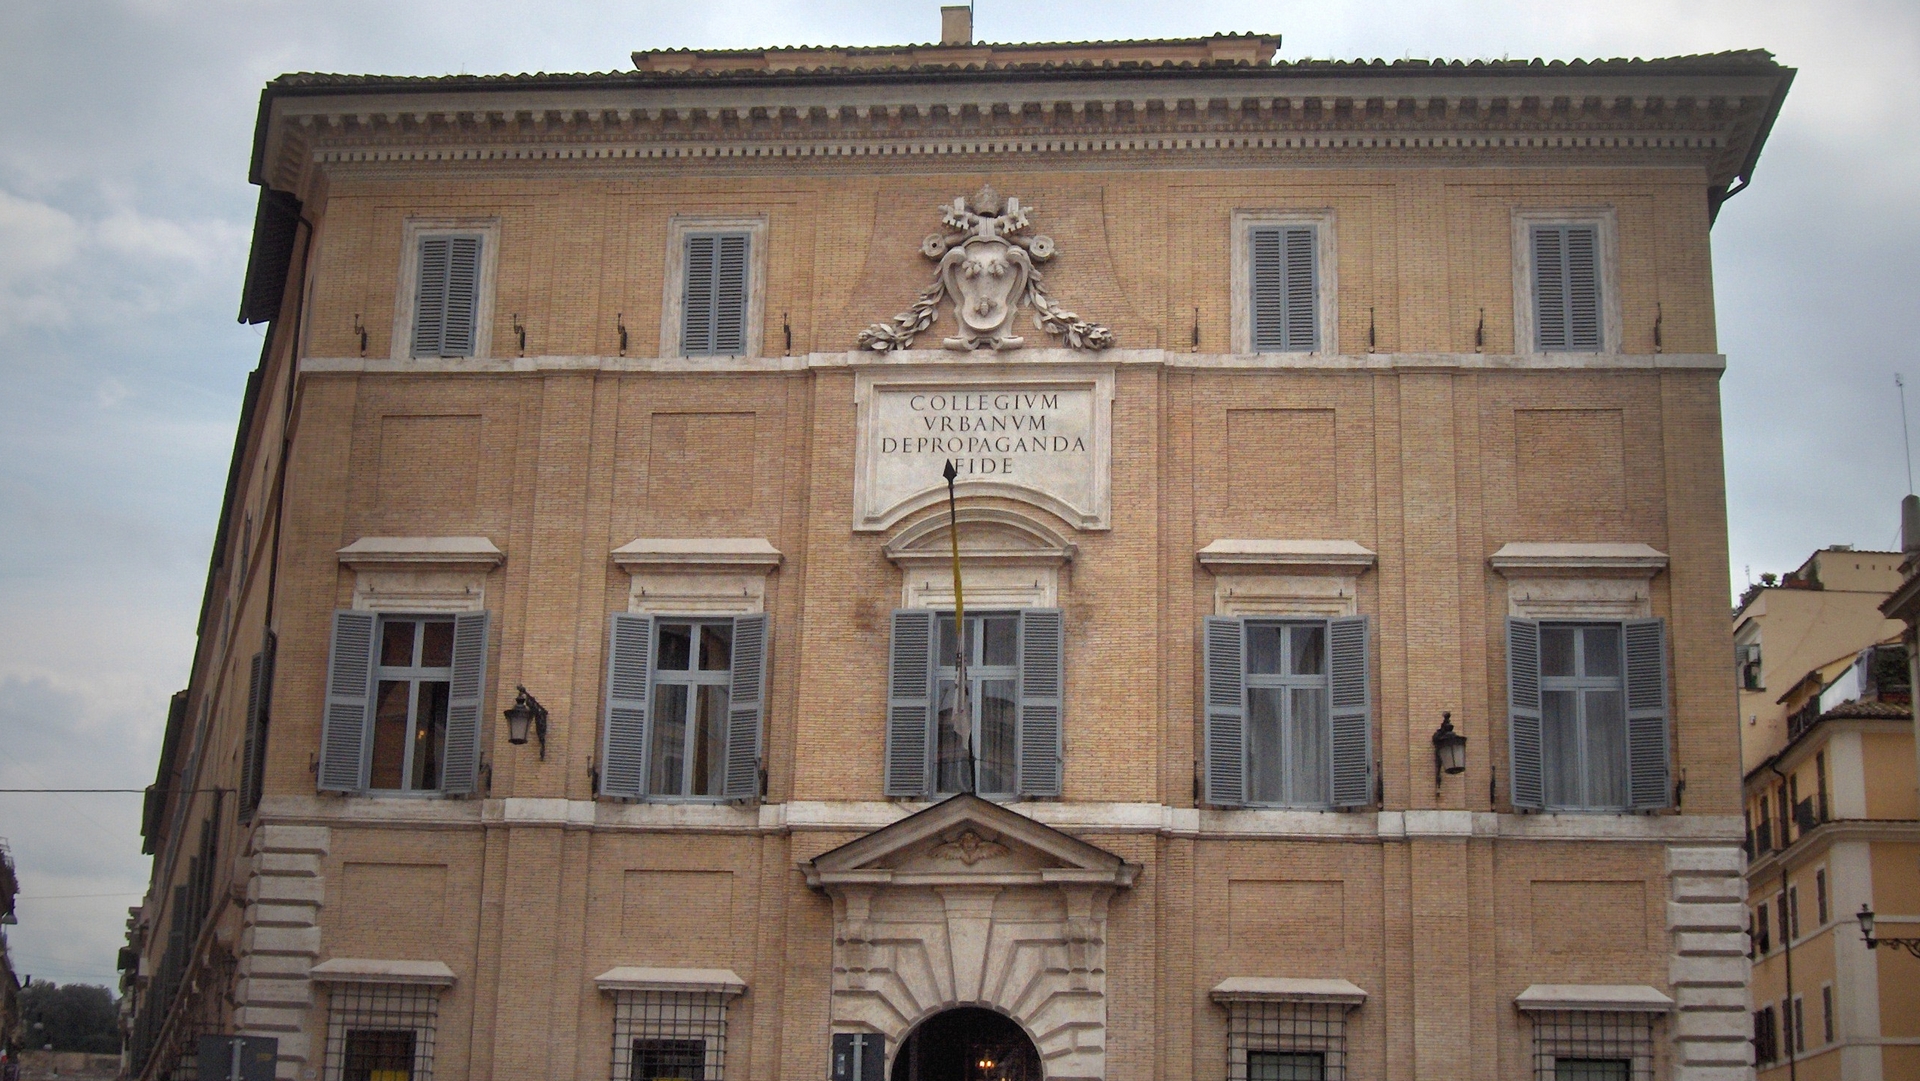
461	773
910	668
1352	712
1566	287
1648	755
430	295
1523	713
1042	686
623	751
730	295
1285	289
746	706
343	729
1226	711
254	752
463	288
697	295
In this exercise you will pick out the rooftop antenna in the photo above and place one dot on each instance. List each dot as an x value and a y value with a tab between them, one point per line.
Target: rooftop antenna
1905	439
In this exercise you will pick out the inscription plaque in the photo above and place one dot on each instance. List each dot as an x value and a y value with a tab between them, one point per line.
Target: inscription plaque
1039	439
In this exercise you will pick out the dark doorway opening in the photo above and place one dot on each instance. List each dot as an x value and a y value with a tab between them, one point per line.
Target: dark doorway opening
967	1044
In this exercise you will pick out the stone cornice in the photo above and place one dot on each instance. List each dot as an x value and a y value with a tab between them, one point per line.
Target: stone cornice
1713	116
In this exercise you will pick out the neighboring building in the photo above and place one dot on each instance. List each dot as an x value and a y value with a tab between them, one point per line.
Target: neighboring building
1389	393
1832	824
9	980
1822	613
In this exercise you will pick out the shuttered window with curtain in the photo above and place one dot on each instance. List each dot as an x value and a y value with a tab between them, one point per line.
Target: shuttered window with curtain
1010	740
714	304
1566	288
446	296
685	707
1286	289
404	703
1289	718
1587	715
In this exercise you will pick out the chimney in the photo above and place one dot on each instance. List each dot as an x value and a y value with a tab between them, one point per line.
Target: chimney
1910	526
956	25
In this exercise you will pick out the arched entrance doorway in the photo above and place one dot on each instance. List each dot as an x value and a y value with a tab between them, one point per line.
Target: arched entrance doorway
967	1044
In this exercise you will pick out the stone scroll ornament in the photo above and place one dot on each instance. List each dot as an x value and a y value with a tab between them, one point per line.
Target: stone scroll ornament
987	267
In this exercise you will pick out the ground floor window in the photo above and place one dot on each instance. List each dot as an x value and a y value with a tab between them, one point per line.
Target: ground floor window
381	1032
1592	1045
1287	1041
669	1036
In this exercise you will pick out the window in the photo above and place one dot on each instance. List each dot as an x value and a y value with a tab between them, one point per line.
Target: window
1793	910
1565	300
1587	709
1766	1045
684	707
1283	282
381	1032
1826	1013
1286	1041
1820	791
1592	1045
403	703
1749	666
253	754
1763	928
1786	922
1820	895
1288	718
714	303
1763	833
446	295
680	1035
1799	1024
714	307
1009	744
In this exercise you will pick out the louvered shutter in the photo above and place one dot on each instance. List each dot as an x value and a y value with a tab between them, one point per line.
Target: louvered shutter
1352	712
430	295
1523	713
463	289
697	299
1285	289
1566	287
623	749
730	295
910	687
343	728
1648	755
1225	693
461	771
1042	684
746	707
254	752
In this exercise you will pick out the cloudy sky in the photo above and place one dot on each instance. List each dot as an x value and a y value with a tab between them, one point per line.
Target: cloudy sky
124	215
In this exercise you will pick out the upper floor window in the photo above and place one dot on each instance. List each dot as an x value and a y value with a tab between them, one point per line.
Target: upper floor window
403	703
445	302
684	706
1288	712
714	285
1565	297
1283	282
1007	742
1588	715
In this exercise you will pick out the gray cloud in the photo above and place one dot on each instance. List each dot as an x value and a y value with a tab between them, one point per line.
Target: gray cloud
124	211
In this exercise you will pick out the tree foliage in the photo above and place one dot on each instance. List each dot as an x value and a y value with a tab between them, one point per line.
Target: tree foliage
75	1017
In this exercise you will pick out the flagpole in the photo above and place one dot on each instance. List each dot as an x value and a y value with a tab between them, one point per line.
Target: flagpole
960	706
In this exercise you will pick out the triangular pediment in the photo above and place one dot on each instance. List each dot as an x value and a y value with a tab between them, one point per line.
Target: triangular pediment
966	838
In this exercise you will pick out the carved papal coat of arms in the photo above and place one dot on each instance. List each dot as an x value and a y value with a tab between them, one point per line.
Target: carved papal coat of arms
988	266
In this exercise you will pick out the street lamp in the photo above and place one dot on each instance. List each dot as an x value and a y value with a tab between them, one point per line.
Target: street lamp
1865	916
527	711
1449	749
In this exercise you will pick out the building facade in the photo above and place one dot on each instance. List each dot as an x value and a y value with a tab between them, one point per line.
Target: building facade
579	675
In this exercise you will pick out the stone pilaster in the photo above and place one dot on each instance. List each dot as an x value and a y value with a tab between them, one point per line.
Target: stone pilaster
281	941
1709	969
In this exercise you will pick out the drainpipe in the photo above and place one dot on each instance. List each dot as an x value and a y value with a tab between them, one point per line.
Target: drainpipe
1786	942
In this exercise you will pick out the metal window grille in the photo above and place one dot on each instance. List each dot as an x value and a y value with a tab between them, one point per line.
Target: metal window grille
381	1032
678	1035
1287	1041
1593	1045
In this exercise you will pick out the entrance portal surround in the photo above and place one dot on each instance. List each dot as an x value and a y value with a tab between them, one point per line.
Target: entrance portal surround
968	903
